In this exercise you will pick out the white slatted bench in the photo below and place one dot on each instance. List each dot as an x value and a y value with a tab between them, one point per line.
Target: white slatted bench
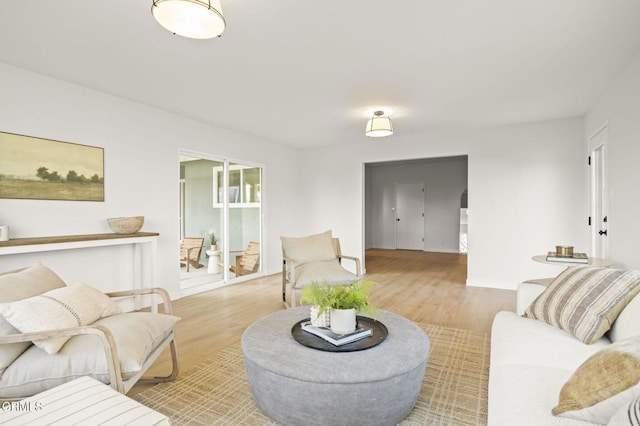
80	401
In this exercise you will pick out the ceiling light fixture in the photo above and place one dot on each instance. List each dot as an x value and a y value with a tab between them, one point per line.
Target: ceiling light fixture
200	19
379	126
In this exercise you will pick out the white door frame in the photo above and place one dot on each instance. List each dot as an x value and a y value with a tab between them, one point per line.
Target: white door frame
599	192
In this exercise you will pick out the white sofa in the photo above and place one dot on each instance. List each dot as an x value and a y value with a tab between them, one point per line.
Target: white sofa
531	361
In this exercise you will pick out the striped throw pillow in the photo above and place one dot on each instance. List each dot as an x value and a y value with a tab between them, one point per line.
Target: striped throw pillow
584	301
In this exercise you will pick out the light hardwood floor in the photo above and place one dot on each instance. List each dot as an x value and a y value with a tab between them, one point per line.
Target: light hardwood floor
421	286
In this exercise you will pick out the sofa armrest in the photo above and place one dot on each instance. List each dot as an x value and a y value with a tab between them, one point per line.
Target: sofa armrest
103	333
528	291
166	300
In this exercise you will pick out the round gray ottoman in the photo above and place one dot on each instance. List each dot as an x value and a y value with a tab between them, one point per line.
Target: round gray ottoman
296	385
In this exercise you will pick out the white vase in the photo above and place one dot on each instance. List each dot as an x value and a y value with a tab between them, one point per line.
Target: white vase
343	321
323	320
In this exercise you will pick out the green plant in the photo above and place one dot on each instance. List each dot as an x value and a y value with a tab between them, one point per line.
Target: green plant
354	296
212	238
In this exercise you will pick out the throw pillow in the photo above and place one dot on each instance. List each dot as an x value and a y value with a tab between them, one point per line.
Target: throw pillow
16	285
585	301
627	415
604	383
314	248
64	307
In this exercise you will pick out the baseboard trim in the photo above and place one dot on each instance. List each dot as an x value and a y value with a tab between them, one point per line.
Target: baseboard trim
502	285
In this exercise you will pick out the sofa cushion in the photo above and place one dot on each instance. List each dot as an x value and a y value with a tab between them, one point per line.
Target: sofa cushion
21	284
63	307
627	415
628	322
605	382
313	248
530	361
136	335
527	342
524	396
585	301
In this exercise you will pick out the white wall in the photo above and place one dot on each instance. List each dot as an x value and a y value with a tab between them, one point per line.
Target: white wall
619	105
526	192
141	174
444	178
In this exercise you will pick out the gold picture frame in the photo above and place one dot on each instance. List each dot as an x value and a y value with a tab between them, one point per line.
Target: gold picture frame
45	169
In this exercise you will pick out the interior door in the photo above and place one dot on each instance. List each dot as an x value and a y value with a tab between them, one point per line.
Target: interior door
599	194
410	206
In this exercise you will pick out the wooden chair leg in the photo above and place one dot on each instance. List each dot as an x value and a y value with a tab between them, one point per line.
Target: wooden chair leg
238	266
175	368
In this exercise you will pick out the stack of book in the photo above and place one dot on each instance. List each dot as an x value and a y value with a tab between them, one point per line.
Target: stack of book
552	256
337	339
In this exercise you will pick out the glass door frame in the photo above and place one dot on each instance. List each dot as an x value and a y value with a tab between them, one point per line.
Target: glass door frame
226	279
233	164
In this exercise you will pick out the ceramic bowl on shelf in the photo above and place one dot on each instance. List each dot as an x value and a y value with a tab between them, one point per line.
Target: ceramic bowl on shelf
126	225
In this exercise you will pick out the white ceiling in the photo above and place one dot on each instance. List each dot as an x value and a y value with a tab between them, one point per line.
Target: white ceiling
305	73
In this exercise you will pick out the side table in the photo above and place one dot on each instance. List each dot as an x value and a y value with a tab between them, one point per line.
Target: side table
213	267
593	261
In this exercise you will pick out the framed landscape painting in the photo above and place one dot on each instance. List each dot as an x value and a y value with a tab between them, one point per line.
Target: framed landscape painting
44	169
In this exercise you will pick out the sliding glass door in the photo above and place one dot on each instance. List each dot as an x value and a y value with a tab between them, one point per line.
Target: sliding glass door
220	205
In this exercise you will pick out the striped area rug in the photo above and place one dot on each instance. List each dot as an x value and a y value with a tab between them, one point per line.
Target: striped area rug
216	392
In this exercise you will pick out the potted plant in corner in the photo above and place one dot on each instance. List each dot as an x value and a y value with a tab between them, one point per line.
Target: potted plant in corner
342	303
213	240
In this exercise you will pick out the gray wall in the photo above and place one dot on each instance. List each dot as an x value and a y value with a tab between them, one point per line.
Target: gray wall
445	180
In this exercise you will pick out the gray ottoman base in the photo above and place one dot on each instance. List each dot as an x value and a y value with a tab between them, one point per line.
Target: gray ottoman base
293	402
298	386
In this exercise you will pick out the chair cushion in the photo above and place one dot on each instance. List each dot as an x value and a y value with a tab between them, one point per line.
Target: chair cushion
64	307
607	381
585	301
314	248
136	335
21	284
329	271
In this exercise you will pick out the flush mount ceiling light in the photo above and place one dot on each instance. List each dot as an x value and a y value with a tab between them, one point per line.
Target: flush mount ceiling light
379	126
198	19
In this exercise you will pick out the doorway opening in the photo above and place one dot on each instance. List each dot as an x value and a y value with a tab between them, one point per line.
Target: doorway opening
418	204
220	222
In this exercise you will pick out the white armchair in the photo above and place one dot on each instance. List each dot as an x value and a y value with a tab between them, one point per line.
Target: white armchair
315	258
116	348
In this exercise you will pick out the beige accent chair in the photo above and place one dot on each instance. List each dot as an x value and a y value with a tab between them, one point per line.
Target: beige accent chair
248	261
315	258
116	349
190	252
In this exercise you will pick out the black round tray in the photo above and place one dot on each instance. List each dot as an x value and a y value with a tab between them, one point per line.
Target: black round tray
380	333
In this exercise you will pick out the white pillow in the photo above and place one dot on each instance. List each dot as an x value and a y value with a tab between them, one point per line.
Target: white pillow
314	248
64	307
17	285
